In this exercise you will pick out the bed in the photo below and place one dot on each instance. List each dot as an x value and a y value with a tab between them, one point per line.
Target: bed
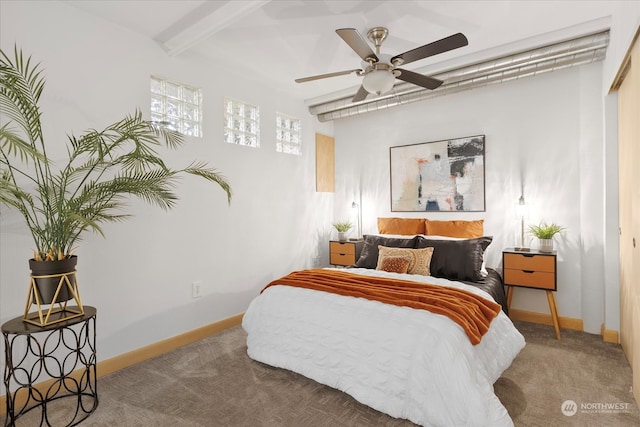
408	362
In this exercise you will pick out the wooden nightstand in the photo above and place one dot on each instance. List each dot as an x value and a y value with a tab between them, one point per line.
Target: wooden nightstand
345	253
533	269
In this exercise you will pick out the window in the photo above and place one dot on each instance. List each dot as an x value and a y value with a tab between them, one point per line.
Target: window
241	123
177	105
288	134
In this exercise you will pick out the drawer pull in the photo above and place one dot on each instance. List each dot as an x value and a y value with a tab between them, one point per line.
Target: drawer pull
528	271
528	255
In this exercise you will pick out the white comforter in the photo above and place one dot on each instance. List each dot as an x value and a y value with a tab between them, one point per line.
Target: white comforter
405	362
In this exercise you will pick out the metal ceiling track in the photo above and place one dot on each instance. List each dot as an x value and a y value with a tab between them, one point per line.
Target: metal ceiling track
578	51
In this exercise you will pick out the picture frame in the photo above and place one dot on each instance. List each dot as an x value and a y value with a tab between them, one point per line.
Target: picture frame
439	176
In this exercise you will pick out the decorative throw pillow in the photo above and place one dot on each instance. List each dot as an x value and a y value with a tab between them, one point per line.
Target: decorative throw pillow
456	259
483	270
403	226
420	258
395	264
369	255
455	228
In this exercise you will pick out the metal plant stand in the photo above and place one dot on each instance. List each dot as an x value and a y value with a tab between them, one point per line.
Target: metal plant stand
45	364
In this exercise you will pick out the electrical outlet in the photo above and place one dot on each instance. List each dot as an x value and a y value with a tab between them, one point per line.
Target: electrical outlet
196	289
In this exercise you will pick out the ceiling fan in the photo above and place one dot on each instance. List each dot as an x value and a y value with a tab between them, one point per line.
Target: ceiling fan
379	70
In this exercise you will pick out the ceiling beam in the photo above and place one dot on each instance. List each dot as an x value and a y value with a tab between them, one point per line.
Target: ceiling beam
211	23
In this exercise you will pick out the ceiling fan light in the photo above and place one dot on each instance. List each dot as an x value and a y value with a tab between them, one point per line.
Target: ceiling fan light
378	81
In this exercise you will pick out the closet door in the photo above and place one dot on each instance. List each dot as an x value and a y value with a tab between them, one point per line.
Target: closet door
629	177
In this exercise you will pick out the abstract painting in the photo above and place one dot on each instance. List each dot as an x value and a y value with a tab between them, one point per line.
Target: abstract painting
440	176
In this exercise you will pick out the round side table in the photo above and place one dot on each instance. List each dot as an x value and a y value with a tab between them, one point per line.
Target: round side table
45	364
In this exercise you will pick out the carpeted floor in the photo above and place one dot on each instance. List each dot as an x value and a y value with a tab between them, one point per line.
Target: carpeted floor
214	383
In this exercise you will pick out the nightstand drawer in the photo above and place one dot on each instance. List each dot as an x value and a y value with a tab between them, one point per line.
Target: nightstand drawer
343	248
342	259
530	278
345	253
529	262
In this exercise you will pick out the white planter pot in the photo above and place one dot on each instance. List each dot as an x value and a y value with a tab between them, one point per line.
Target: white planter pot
342	236
545	245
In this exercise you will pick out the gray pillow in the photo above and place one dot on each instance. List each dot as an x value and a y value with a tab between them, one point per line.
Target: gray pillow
456	259
369	255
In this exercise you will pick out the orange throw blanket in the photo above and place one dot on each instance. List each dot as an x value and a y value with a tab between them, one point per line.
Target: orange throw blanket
472	312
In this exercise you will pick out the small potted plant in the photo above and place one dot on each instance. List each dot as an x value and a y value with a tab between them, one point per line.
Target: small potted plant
545	233
342	227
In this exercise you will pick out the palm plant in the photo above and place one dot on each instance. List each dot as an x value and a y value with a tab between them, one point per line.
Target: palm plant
102	169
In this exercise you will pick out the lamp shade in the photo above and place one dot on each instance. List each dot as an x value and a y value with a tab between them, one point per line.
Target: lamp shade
378	81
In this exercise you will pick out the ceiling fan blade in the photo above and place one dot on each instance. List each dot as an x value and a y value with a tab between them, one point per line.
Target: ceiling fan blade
443	45
360	95
324	76
418	79
353	38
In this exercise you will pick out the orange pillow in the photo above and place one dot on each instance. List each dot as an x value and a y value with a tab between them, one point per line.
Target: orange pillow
395	264
402	226
455	228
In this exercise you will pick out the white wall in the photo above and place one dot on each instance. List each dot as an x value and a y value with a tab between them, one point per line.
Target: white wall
139	278
543	133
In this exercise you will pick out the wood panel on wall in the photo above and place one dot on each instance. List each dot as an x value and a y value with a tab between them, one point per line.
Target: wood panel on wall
325	163
628	85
